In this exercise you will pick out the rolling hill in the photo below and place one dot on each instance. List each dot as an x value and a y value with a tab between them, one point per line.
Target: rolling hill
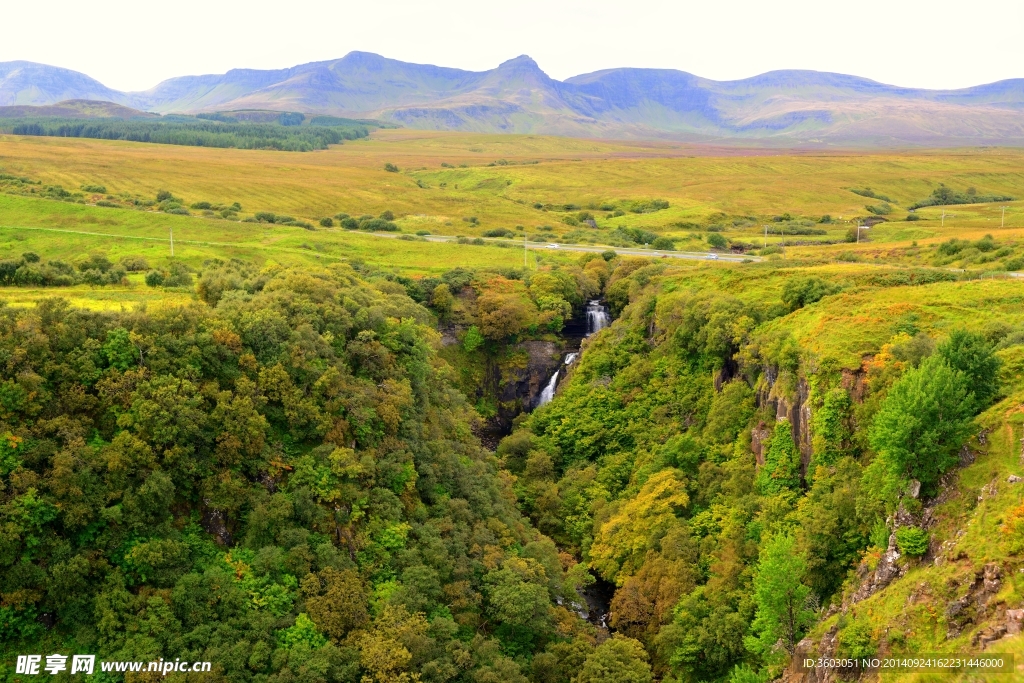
75	109
779	107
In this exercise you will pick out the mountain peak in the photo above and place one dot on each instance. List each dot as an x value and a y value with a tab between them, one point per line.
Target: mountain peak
360	56
522	62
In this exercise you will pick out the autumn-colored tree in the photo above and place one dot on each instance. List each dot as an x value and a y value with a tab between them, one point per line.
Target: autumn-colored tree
504	309
441	300
622	542
619	659
336	601
386	651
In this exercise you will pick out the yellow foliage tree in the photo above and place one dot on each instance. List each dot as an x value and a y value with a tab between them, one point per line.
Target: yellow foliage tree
387	650
622	542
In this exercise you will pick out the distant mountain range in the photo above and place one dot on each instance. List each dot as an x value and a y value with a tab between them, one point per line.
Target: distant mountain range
779	107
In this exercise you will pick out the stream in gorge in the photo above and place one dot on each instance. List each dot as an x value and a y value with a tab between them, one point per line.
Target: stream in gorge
594	602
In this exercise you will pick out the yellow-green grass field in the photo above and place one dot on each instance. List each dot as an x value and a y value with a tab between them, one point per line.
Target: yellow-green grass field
700	187
70	232
497	179
67	230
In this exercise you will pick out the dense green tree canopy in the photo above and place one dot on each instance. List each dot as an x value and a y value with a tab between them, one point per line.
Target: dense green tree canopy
285	485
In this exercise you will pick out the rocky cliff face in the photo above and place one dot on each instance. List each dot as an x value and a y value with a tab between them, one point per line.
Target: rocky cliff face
792	405
520	379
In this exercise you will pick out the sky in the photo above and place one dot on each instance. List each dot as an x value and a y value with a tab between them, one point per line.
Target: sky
134	44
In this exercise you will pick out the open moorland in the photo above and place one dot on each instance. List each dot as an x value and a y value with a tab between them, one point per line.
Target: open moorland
443	178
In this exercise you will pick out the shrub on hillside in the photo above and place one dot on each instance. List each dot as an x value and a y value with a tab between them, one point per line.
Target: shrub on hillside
499	232
800	292
946	196
912	541
717	241
648	206
377	225
134	264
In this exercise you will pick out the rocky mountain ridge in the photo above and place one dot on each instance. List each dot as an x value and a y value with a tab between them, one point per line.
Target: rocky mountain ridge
781	107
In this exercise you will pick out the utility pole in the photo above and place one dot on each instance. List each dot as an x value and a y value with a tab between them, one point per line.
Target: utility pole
765	235
172	242
943	224
858	232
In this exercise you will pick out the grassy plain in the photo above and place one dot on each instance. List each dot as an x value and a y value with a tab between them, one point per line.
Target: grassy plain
68	231
703	185
869	310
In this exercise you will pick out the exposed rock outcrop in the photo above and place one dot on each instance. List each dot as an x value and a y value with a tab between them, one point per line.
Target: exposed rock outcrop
519	379
759	437
808	649
977	605
796	408
885	571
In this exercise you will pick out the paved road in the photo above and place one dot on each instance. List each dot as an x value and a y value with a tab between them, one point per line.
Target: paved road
542	246
430	238
699	256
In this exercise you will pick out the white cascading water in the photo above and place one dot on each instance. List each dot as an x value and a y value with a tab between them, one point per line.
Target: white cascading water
597	320
549	391
597	317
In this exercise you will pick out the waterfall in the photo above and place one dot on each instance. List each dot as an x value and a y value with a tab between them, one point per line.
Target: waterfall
597	317
549	390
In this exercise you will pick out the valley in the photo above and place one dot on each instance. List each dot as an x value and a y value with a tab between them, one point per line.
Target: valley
351	430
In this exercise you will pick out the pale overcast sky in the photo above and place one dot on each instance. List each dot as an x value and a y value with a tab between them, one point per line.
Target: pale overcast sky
133	44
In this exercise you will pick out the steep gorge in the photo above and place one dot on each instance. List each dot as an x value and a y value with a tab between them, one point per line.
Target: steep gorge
662	464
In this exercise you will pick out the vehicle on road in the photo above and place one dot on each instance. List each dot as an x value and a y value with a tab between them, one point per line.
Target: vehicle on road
552	246
713	257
